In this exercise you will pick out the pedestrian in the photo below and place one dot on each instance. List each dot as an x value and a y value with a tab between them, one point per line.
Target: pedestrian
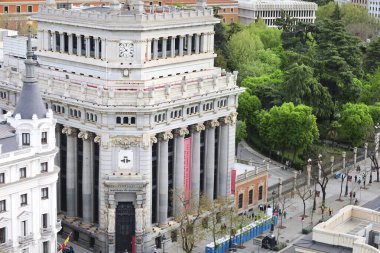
354	194
356	178
265	207
71	250
351	194
330	211
356	202
284	214
261	207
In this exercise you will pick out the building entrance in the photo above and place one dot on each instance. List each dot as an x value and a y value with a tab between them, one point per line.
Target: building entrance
125	227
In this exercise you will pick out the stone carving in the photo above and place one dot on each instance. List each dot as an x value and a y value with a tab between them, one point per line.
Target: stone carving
183	84
97	139
140	93
139	212
233	117
167	89
111	220
151	92
126	142
148	140
213	123
198	127
166	136
68	130
84	135
111	92
181	131
100	90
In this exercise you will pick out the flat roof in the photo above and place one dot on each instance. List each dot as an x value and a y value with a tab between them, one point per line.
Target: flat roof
308	243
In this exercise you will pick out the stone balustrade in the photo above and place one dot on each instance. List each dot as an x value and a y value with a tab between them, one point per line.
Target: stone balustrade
25	239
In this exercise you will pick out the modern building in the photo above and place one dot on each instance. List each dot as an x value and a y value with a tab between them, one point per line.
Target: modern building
250	185
28	176
362	3
352	229
270	10
141	111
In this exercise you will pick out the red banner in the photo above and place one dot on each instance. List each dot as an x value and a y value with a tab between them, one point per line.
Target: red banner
187	169
133	244
233	181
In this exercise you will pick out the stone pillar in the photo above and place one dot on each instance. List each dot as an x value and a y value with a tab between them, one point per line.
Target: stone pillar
189	43
87	39
210	157
62	42
87	181
54	41
197	43
179	166
79	45
332	164
203	43
211	42
365	150
97	53
139	214
49	41
172	47
163	177
70	39
308	169
164	46
103	49
223	157
71	170
180	51
196	161
57	162
155	49
111	217
279	186
149	50
295	173
355	156
344	160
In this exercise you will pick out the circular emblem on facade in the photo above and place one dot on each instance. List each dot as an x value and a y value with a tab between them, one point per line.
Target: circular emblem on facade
126	49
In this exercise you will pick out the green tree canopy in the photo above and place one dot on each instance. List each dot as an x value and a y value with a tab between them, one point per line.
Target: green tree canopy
289	127
374	110
248	106
372	56
371	89
356	122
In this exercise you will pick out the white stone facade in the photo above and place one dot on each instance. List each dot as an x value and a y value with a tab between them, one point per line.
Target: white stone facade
28	216
269	11
127	89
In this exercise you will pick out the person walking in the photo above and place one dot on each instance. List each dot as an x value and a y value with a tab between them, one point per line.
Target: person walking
330	211
284	213
354	195
356	178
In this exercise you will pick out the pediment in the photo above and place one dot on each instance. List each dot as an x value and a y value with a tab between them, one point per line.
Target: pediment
24	215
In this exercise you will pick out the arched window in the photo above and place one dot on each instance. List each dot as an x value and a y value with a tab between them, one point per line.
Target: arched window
125	120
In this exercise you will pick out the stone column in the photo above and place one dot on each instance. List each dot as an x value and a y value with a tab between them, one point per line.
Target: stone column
96	41
223	157
332	158
54	42
308	169
163	177
87	181
179	161
196	161
210	157
211	42
189	43
62	42
365	150
70	36
149	50
164	45
203	43
197	43
344	160
180	51
57	162
155	49
111	219
172	47
295	173
139	214
355	156
87	39
103	49
71	170
79	45
49	41
280	187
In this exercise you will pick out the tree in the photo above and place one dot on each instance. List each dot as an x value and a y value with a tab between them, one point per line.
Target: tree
248	106
322	178
333	130
283	204
241	133
189	217
374	110
305	193
370	88
357	123
372	56
289	127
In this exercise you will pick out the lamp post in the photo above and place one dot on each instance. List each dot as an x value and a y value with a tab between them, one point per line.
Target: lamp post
272	225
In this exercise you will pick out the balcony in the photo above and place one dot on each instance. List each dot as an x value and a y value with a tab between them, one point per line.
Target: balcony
46	231
58	225
6	247
25	239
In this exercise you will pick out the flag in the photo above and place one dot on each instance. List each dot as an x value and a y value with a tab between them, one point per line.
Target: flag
63	246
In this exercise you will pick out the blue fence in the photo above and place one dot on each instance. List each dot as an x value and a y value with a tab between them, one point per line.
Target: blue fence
248	232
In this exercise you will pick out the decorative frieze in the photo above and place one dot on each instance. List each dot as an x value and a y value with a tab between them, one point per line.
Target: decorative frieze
126	142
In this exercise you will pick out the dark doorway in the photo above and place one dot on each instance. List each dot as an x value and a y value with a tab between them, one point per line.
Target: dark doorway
125	226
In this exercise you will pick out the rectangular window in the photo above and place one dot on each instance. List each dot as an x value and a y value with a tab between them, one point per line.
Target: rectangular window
25	139
44	220
45	193
23	228
18	8
2	178
24	199
44	138
30	8
45	247
250	197
3	206
2	235
6	9
44	167
240	200
22	172
260	192
232	10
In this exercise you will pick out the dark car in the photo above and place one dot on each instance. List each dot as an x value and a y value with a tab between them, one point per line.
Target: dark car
269	242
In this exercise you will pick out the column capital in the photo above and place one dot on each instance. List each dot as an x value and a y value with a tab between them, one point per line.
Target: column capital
198	127
78	35
97	139
165	136
181	132
69	130
229	119
212	123
84	135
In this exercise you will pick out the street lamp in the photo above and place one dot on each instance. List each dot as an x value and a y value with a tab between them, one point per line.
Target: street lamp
272	225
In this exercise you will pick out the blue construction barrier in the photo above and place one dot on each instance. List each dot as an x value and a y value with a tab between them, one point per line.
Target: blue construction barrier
248	232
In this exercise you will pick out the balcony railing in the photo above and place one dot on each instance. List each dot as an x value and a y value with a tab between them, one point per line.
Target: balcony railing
46	231
25	239
5	246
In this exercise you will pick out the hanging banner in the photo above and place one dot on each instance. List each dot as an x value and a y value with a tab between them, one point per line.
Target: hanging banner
233	181
187	169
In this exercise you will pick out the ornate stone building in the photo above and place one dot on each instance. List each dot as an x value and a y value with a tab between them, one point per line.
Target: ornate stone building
141	110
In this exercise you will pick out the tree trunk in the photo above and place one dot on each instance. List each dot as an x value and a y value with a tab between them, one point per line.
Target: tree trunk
294	156
341	188
377	174
323	195
304	207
